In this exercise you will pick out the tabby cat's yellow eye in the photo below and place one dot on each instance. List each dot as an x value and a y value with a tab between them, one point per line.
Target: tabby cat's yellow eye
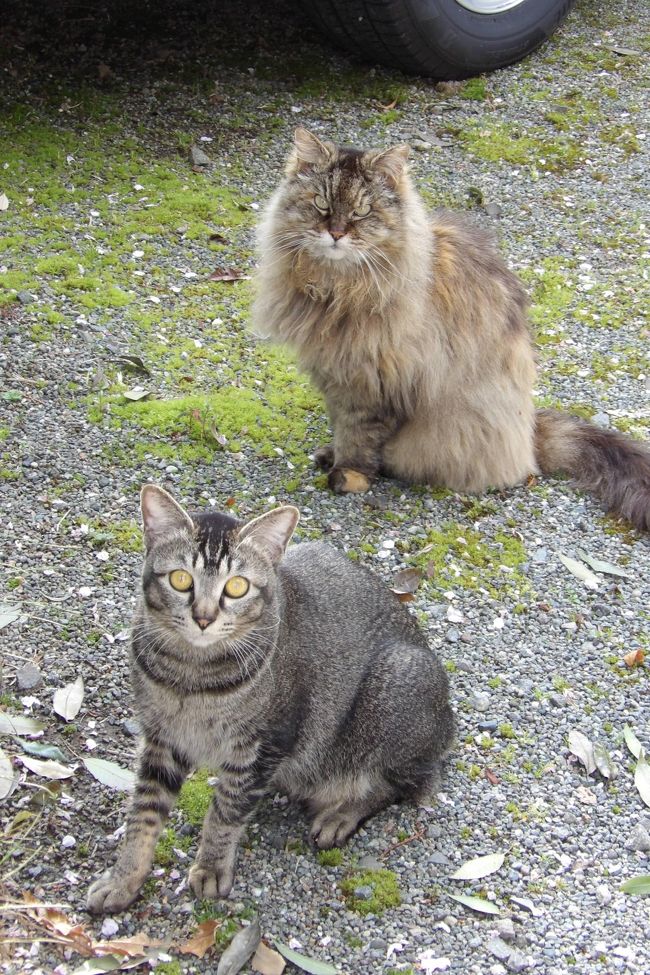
321	203
363	210
236	587
180	580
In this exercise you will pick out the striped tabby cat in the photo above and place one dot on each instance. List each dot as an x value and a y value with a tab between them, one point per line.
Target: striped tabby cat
297	672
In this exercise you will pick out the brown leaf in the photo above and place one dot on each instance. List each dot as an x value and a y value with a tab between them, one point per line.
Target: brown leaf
268	962
406	582
127	947
634	658
404	597
491	777
229	274
387	108
202	939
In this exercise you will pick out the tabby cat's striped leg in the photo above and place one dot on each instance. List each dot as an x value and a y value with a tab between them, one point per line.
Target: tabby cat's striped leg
161	773
234	799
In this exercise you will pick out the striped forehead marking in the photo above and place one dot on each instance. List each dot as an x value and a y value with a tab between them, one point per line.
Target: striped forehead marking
214	534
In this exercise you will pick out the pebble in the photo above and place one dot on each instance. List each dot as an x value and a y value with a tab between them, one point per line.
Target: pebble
28	677
479	700
499	948
638	839
452	635
199	158
364	892
603	895
131	727
506	929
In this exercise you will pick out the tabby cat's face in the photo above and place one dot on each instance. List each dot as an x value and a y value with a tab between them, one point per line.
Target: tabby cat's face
208	579
339	204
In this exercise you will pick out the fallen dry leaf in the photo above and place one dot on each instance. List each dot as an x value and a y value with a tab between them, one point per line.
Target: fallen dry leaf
634	658
202	939
405	583
229	274
491	777
266	961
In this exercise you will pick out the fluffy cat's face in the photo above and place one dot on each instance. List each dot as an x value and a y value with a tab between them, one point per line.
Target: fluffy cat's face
341	205
208	579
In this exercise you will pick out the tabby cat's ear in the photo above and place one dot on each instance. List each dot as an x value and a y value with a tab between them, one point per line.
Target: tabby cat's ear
161	515
308	151
272	531
389	164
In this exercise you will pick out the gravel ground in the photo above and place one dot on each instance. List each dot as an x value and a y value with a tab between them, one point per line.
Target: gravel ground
108	240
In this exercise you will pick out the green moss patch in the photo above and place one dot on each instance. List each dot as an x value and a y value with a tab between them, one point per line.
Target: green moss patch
195	797
456	555
385	891
532	148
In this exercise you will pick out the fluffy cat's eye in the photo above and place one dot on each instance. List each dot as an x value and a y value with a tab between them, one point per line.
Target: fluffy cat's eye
236	587
180	580
362	210
321	203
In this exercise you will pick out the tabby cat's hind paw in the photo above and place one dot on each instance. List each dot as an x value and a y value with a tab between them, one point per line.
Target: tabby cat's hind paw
344	480
210	881
333	827
111	894
324	457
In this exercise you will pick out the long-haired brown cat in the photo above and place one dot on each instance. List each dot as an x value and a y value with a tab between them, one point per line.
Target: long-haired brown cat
415	331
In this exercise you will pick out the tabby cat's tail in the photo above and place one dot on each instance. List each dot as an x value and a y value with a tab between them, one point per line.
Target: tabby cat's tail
609	464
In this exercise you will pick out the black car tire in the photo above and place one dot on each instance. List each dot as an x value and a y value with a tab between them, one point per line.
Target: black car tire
440	38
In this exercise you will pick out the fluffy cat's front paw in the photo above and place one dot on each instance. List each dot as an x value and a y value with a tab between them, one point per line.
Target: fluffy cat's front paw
345	480
112	893
324	457
210	880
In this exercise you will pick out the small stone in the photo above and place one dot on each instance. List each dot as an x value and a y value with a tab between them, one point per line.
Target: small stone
480	701
24	297
506	929
452	635
131	727
370	863
639	839
364	892
420	145
603	895
68	841
490	725
28	677
516	961
540	555
492	209
557	700
498	948
601	419
199	158
439	859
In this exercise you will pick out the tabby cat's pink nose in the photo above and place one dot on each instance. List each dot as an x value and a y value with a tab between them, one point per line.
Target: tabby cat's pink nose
337	232
203	621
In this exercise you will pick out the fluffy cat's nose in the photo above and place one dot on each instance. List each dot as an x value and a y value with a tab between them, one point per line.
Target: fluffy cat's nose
203	621
337	232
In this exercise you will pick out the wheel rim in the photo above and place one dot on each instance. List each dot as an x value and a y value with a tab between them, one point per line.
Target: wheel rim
489	6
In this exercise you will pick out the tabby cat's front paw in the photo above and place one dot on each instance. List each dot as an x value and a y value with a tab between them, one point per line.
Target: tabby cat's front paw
210	880
324	457
345	480
112	893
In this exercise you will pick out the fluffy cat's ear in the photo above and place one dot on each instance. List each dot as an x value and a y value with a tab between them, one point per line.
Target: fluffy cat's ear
272	531
389	164
308	151
161	515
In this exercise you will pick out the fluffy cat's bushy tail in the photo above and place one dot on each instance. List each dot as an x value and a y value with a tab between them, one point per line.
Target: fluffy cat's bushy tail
612	466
